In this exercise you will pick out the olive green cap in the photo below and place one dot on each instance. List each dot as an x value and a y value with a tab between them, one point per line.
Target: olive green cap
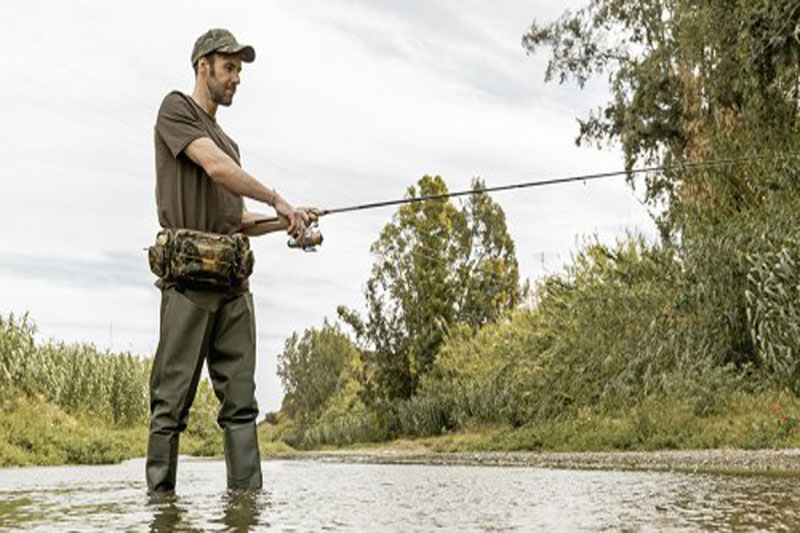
223	41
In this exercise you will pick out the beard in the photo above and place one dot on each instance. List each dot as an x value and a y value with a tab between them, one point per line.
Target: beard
219	94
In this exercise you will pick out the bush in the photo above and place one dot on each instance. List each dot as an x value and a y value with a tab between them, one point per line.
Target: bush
691	321
34	432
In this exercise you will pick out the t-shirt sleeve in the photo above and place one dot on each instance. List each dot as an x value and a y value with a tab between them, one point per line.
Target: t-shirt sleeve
178	124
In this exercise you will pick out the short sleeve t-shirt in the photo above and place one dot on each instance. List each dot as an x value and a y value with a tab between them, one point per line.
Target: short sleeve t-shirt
186	197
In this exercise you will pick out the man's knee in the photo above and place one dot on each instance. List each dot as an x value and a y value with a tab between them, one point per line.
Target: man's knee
233	412
168	417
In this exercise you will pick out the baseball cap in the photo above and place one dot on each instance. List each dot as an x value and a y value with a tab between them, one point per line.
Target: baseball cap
221	40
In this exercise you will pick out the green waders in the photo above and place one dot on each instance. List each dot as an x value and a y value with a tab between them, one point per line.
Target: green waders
220	328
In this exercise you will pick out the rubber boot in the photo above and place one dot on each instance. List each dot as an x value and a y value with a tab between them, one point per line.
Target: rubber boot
162	461
241	456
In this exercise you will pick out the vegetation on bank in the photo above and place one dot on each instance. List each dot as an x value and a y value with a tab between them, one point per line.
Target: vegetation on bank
690	340
633	347
71	403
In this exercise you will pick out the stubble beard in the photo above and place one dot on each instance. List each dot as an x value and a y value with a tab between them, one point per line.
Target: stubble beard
217	93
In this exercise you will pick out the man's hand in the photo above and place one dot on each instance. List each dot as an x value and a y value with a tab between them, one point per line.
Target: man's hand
298	219
313	213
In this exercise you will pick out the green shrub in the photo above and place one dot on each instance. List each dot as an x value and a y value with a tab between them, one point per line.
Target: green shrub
35	432
691	321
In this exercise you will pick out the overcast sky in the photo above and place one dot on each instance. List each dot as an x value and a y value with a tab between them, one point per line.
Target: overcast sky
347	102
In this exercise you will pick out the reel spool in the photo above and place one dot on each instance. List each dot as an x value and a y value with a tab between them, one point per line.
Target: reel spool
309	240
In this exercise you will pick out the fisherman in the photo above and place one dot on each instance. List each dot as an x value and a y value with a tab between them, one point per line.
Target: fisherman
200	187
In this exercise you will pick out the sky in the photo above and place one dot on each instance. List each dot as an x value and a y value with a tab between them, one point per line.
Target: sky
348	101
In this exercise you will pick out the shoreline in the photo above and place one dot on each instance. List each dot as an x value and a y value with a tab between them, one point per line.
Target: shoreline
770	462
731	461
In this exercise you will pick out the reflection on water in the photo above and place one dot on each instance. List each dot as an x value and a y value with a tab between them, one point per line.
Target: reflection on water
306	495
166	511
243	509
240	511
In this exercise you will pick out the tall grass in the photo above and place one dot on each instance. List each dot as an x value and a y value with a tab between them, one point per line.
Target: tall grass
72	403
79	378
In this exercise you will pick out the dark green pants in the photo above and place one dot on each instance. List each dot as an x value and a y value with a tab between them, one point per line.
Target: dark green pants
219	328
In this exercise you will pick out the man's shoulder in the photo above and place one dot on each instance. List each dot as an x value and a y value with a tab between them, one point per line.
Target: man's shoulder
175	100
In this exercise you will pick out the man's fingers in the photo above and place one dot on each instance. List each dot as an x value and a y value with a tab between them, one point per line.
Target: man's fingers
292	229
297	224
312	213
301	226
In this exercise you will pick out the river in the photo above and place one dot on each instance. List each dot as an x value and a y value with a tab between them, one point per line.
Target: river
308	495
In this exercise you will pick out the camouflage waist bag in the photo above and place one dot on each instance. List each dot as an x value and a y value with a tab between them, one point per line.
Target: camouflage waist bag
197	258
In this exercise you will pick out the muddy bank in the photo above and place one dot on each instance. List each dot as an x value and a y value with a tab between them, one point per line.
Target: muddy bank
782	462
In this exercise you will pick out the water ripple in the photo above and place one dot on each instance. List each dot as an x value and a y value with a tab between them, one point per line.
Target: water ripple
307	495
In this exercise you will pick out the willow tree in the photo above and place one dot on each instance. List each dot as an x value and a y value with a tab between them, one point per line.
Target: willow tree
311	368
436	265
695	82
689	81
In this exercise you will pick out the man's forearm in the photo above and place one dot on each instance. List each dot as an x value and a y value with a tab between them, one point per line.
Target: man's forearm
242	183
256	224
224	170
239	181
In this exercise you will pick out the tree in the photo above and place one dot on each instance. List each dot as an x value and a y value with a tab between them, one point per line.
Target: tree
311	369
689	81
435	265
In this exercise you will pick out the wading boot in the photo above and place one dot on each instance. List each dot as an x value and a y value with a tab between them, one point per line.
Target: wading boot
241	456
162	461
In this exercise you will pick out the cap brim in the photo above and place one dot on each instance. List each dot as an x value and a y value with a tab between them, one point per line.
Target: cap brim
246	52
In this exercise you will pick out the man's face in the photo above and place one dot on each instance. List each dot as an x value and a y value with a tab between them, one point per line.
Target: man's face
222	77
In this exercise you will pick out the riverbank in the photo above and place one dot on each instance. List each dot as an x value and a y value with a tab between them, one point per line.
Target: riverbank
773	462
35	432
38	434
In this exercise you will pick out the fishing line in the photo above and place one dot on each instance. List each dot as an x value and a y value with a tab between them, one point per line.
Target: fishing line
548	182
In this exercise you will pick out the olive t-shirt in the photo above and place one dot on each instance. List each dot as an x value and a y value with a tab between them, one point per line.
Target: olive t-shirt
186	197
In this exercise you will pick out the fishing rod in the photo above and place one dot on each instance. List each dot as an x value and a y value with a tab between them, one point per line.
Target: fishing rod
313	237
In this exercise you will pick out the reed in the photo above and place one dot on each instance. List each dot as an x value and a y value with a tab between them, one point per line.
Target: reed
78	378
72	403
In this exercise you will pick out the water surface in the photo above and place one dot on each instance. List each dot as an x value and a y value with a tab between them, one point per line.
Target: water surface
313	495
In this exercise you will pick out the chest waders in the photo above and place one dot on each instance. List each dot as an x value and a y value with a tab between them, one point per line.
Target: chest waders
215	325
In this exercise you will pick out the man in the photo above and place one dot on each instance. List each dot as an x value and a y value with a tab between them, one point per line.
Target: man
199	186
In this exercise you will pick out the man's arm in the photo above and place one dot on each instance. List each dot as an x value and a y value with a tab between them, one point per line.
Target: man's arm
256	224
224	170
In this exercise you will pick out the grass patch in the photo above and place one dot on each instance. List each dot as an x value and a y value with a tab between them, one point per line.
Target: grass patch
34	432
750	421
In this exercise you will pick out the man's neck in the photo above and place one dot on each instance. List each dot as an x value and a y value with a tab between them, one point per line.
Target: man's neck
203	99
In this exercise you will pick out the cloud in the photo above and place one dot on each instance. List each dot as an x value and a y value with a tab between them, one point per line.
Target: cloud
112	270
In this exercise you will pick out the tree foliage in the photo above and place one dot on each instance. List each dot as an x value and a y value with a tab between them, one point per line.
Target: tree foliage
435	266
689	81
311	369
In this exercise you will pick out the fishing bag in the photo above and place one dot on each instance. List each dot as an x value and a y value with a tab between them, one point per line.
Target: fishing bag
199	259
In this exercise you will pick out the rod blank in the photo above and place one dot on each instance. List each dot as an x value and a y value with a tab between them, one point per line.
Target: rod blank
547	182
